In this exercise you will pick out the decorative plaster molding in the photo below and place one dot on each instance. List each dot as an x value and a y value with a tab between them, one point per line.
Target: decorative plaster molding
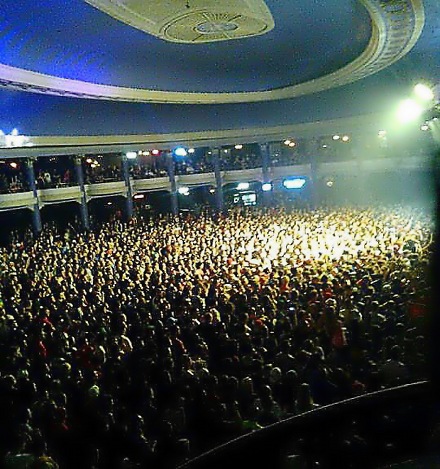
396	27
193	22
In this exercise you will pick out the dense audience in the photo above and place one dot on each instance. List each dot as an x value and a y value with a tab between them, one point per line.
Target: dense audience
150	342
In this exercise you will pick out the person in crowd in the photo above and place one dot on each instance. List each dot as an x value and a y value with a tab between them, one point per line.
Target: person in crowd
143	344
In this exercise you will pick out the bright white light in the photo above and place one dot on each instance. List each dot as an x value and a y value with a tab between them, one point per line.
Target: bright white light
13	165
155	152
212	190
140	152
409	110
294	183
131	155
180	151
14	132
336	137
89	160
345	138
266	187
225	150
109	203
191	150
286	142
242	186
423	92
292	144
139	196
238	147
145	153
329	183
183	190
324	146
424	127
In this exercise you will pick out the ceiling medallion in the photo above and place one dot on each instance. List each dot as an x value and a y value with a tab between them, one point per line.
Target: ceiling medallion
192	22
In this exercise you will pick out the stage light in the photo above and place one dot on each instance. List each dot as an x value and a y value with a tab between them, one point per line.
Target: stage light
89	160
242	186
225	150
131	155
183	190
139	196
266	187
180	151
296	183
423	92
191	150
212	190
286	142
238	147
155	152
345	138
292	144
409	110
13	165
336	137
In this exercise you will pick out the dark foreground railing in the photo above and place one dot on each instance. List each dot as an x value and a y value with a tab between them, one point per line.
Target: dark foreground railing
364	431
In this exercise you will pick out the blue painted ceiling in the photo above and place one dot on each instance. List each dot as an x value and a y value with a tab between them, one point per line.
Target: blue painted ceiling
71	39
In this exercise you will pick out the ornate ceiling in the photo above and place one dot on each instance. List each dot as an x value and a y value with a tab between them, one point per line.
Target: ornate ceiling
127	51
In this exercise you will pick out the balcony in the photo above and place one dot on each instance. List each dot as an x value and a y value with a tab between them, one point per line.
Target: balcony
118	188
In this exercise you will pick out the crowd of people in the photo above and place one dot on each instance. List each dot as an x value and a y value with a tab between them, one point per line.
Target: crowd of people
144	344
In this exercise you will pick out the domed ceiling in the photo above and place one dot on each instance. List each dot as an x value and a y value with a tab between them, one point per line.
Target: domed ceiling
199	64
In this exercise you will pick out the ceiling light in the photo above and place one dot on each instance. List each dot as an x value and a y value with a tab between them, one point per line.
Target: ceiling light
155	152
180	151
329	183
324	146
13	165
131	155
266	187
345	138
424	127
191	150
286	142
292	144
423	92
336	137
409	110
238	147
89	160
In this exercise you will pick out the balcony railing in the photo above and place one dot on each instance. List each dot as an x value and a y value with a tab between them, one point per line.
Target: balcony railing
393	424
118	188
